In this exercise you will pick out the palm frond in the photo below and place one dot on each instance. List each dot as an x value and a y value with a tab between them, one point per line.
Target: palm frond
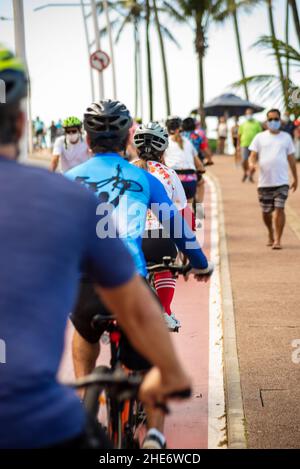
285	50
166	32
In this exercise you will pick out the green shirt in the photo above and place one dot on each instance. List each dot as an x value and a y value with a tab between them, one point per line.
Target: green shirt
247	132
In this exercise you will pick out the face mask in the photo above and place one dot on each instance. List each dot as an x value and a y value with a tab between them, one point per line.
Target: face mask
73	138
249	117
274	125
286	119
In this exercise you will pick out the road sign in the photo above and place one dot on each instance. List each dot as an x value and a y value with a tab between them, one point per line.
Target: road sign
99	60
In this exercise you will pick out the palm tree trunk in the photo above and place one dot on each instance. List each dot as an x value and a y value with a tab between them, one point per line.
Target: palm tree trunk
136	73
200	48
140	73
149	67
238	41
163	57
277	55
293	5
287	34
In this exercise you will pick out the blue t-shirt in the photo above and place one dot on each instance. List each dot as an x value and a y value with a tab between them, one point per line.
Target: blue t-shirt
129	191
47	232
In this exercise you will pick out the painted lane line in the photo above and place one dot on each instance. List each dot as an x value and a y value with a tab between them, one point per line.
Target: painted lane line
216	398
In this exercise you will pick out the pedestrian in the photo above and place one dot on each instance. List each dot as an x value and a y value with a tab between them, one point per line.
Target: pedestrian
235	139
222	135
247	131
287	124
274	152
39	129
53	133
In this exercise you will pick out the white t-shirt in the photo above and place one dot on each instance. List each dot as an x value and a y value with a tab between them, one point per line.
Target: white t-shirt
71	156
273	150
222	130
173	187
177	158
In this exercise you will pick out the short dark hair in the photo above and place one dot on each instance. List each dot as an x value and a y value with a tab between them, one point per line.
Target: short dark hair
101	145
274	110
8	123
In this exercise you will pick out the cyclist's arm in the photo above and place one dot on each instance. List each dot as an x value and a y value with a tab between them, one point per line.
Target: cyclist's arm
54	163
175	225
57	152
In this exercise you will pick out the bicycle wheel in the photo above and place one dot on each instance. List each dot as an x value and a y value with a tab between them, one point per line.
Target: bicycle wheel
96	402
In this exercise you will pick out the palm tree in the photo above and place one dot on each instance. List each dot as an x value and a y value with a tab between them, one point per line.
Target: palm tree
163	57
294	8
270	86
135	12
230	9
149	64
282	77
200	13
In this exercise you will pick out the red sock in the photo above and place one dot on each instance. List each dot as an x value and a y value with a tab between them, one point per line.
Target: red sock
165	286
189	217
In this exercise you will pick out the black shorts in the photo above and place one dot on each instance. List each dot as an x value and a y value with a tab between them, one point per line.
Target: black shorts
87	307
155	247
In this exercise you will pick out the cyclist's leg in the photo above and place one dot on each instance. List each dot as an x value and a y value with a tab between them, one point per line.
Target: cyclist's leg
85	344
155	247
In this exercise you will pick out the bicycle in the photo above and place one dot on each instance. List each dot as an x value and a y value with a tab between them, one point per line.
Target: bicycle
121	388
124	418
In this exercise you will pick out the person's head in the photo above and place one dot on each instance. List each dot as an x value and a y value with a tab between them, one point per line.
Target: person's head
12	117
188	124
174	125
249	114
222	120
107	124
236	119
151	141
274	120
72	127
286	117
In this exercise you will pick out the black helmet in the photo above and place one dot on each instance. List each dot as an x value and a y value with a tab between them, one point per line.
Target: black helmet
173	123
107	119
13	75
188	124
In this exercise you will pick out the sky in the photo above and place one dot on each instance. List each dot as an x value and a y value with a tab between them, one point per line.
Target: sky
59	68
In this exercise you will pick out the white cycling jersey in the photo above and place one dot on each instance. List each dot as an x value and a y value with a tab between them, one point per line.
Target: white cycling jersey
173	187
71	155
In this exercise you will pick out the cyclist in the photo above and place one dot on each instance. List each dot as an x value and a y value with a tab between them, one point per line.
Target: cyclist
127	192
151	141
200	144
71	147
41	250
182	156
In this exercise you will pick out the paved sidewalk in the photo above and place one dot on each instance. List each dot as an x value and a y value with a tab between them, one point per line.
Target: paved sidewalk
266	295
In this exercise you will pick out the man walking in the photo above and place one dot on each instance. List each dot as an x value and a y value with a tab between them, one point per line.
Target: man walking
274	150
247	131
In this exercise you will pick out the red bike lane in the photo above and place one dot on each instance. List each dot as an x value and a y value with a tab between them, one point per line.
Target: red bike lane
187	426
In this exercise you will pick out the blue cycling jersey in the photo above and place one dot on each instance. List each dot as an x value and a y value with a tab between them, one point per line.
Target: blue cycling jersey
130	191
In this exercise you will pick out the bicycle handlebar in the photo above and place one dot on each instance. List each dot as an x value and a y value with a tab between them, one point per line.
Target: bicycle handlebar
123	386
167	264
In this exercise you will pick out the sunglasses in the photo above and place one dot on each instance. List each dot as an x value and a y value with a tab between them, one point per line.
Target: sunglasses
71	131
276	119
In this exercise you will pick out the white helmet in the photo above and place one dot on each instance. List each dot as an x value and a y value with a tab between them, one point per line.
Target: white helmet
151	137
